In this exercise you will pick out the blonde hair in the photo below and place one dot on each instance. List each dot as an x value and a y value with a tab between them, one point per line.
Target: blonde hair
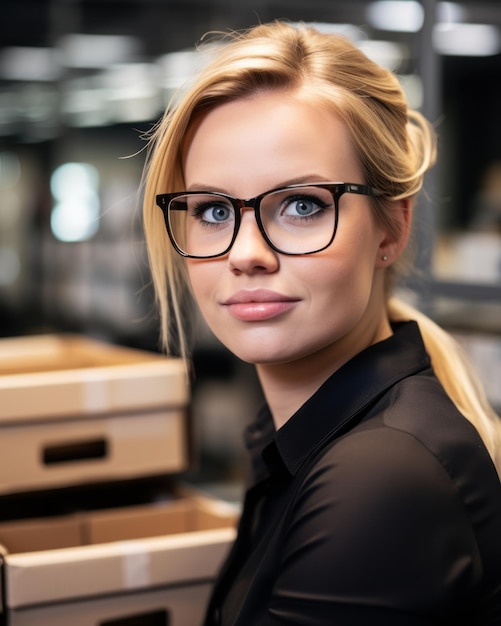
394	144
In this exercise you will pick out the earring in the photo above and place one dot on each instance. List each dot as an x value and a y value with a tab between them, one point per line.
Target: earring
384	257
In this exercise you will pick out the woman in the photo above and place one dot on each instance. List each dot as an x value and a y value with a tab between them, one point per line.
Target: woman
374	497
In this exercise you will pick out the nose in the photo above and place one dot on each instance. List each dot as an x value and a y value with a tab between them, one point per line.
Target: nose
250	252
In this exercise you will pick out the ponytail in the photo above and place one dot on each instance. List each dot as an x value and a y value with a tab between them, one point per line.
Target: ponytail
454	371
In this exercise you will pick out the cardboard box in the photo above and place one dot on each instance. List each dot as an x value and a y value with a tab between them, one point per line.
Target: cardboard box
75	410
98	419
137	576
28	535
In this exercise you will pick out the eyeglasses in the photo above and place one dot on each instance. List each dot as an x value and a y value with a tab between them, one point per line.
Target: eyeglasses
294	220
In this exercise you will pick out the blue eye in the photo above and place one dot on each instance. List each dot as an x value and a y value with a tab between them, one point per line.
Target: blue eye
302	206
212	211
217	214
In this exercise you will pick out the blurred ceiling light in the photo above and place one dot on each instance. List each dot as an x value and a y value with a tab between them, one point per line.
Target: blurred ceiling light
350	31
450	12
176	68
385	53
125	92
412	85
129	76
132	91
405	16
75	215
97	51
33	64
85	107
467	39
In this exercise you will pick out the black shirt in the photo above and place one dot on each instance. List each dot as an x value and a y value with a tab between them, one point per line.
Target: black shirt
375	504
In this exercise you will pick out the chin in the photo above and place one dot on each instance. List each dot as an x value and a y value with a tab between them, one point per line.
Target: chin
257	358
265	356
257	354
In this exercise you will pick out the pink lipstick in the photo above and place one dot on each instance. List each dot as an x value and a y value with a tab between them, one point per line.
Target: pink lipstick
255	305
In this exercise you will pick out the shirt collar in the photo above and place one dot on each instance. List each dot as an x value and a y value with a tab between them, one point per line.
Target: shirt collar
338	402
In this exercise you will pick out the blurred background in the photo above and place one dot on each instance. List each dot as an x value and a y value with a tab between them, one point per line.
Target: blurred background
82	82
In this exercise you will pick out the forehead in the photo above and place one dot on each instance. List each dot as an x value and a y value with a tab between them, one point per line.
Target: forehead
272	136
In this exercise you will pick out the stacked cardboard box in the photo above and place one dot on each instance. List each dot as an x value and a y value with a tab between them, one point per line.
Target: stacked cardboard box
78	419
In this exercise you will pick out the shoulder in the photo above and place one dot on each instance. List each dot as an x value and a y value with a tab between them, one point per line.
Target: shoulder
394	508
419	408
373	495
413	435
414	464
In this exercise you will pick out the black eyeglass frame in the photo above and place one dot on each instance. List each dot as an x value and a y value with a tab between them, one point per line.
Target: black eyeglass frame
164	200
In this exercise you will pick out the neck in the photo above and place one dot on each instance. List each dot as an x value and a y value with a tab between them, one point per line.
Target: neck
287	386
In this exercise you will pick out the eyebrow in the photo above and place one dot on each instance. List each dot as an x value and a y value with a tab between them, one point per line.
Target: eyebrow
297	180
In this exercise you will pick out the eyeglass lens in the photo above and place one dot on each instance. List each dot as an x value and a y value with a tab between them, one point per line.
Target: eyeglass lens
296	221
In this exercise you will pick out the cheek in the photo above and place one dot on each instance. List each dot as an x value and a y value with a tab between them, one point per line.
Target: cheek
203	279
352	257
339	285
198	278
358	252
345	281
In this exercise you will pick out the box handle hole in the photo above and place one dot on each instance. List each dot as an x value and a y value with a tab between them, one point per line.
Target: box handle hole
70	452
153	618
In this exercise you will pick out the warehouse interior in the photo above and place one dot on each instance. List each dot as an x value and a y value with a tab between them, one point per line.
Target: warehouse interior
82	85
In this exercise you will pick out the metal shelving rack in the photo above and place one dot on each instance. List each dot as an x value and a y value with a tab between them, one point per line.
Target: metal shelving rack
429	289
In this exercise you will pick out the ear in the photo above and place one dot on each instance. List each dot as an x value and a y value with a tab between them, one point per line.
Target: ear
395	240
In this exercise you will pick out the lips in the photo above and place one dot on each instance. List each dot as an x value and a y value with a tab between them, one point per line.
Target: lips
258	305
